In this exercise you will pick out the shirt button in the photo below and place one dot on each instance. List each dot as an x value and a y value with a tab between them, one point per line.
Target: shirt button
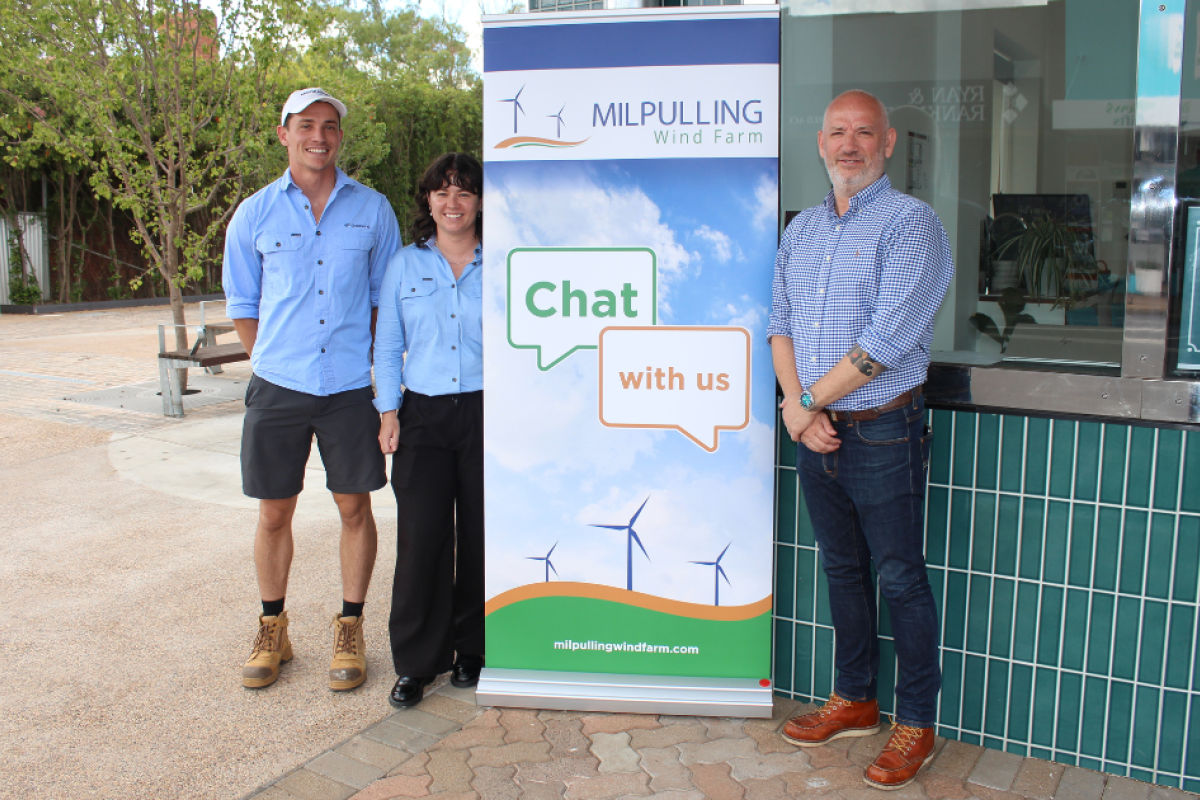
820	291
452	316
322	322
454	286
414	288
306	208
322	349
454	379
279	244
815	324
319	261
318	233
826	257
453	347
320	291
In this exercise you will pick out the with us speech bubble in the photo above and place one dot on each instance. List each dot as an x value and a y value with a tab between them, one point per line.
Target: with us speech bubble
695	380
560	298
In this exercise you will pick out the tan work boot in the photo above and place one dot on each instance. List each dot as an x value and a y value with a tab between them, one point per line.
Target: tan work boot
270	648
348	668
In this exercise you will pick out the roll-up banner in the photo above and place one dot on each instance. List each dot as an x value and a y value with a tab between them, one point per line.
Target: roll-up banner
630	227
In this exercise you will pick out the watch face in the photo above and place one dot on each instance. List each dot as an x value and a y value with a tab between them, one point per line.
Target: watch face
806	401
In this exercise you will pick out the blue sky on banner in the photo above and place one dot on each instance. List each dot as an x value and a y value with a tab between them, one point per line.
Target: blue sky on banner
553	470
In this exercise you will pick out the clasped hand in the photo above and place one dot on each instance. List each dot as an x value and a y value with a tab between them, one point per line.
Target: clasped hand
813	429
389	432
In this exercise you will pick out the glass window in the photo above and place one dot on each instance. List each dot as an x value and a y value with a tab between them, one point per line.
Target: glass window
1015	123
1185	289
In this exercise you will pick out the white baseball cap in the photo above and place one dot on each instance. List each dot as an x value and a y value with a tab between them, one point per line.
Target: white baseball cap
303	98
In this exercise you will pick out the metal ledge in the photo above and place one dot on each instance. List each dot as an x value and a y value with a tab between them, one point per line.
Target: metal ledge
639	694
1024	391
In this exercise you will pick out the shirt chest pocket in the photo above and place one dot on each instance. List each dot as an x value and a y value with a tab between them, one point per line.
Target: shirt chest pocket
419	302
351	261
283	273
471	303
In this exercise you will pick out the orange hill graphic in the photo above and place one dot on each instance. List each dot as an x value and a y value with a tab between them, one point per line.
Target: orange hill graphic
526	141
612	594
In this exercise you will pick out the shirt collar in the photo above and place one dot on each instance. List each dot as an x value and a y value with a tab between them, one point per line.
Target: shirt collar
286	181
862	198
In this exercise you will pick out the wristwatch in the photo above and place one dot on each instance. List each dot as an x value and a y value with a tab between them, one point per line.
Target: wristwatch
807	401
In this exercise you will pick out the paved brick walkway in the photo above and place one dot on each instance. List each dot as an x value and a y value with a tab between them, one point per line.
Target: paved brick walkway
448	747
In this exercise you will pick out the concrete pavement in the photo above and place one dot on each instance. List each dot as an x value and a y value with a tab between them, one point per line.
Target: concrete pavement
126	572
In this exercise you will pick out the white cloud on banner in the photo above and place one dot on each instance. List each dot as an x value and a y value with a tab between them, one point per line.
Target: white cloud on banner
722	246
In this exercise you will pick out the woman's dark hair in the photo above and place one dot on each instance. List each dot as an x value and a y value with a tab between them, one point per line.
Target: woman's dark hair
451	169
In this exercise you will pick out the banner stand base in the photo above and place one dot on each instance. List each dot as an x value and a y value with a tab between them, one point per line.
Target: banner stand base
638	694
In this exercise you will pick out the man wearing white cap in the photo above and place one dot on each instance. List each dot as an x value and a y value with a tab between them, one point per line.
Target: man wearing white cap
304	261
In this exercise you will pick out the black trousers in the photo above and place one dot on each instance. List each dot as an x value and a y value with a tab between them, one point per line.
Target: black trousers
437	477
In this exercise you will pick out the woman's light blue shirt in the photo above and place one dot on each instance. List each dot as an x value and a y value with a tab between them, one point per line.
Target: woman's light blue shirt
429	336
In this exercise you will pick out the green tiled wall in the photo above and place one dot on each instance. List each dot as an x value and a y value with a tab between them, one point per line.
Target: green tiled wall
1065	558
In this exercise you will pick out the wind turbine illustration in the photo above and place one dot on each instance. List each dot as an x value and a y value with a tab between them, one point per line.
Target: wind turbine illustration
558	117
516	101
633	537
549	563
720	573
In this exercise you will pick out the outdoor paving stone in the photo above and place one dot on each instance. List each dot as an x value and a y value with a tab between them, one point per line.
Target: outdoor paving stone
717	751
566	738
344	769
397	786
806	784
1037	779
602	787
308	785
399	736
455	693
1167	793
449	708
759	767
273	793
827	756
558	770
694	795
542	791
1119	788
508	754
723	727
495	783
831	779
552	713
456	796
617	723
521	725
862	791
1080	784
449	771
768	740
768	789
667	735
865	749
472	736
714	781
956	759
417	766
666	773
377	754
984	793
996	769
425	723
943	787
614	752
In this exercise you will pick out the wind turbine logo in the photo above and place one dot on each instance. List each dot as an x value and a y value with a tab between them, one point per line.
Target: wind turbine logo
633	537
549	563
516	101
558	117
720	573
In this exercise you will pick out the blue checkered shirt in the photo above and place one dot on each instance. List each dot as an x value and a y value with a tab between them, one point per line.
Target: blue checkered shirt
873	277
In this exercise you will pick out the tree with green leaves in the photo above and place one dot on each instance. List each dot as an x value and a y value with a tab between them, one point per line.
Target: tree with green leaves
179	101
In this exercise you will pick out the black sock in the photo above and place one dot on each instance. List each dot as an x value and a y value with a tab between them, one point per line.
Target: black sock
273	608
352	609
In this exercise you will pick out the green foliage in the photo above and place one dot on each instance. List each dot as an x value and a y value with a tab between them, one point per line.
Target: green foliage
1012	305
22	288
1052	258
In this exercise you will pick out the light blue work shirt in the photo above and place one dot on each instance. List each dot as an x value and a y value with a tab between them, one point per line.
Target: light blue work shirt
434	318
310	285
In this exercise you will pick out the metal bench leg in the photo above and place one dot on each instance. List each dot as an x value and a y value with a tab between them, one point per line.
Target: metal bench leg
168	382
210	340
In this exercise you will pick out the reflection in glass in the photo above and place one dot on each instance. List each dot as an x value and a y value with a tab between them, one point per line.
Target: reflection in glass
1015	122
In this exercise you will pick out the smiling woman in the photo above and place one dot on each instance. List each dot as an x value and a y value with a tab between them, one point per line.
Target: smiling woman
430	340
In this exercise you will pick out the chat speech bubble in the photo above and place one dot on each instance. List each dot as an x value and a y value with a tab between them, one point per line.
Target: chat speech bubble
560	298
695	380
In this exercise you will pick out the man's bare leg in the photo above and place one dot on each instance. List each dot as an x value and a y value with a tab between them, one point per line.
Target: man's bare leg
360	541
273	549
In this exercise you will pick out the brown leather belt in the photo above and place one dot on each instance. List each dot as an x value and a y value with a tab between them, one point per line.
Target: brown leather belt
873	413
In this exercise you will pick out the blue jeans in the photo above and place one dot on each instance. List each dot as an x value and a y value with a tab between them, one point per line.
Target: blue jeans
866	502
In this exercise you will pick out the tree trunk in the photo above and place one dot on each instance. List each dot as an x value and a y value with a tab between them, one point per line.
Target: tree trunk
177	310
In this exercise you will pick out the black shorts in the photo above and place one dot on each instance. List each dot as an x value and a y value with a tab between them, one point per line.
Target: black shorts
277	439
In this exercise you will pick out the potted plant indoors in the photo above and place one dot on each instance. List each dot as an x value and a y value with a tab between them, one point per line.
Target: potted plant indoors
1054	260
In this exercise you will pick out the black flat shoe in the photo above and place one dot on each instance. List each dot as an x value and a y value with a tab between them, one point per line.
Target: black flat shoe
408	691
465	673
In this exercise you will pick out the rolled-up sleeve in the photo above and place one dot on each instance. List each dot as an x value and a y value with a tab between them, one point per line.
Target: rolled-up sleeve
779	323
389	338
386	245
914	277
241	273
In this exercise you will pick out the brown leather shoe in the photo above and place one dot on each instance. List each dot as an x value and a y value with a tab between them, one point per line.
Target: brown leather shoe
835	719
906	753
271	647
